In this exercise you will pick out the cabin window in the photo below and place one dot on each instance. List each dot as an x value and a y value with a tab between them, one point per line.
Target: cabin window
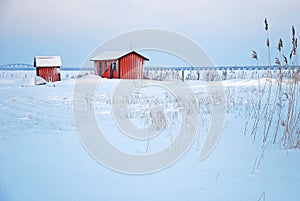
105	66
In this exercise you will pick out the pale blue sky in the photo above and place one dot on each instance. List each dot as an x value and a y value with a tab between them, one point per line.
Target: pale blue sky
226	30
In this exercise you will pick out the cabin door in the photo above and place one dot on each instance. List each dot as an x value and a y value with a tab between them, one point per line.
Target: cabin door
113	68
111	71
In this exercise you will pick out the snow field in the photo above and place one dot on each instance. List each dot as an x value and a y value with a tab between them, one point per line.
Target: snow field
42	158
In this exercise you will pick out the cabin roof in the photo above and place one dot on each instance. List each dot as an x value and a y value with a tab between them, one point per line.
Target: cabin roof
113	55
47	61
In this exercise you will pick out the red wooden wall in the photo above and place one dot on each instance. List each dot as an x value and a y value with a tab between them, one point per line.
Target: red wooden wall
106	73
49	74
130	66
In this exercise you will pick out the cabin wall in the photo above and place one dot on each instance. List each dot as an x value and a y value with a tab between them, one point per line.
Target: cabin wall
106	69
131	67
49	74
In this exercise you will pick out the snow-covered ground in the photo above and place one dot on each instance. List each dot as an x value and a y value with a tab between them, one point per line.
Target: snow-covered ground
42	158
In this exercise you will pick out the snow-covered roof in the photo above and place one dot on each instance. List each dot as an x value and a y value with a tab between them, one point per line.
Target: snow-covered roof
112	55
47	61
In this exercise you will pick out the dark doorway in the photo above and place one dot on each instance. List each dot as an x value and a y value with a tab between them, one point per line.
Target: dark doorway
111	70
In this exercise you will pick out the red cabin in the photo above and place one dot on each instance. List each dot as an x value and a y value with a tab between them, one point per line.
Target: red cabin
120	64
48	67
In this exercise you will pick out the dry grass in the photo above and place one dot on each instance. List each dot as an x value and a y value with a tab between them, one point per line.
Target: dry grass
288	118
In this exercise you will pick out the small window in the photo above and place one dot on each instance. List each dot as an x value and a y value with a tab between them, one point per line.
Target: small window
105	66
